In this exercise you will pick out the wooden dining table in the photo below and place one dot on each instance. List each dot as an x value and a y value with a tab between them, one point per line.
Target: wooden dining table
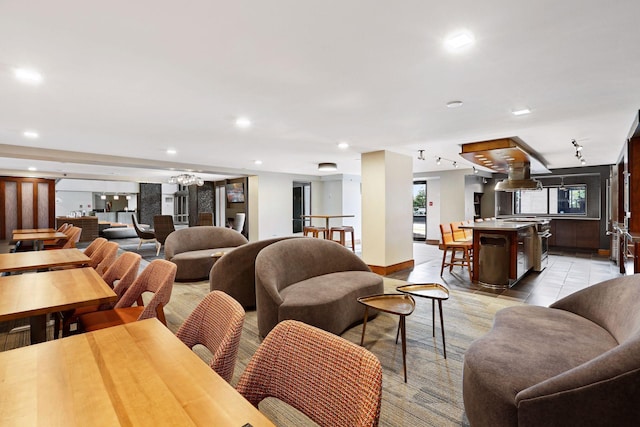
33	230
326	218
137	374
35	295
38	238
35	260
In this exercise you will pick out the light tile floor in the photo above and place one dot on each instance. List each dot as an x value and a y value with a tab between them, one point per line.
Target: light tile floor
566	272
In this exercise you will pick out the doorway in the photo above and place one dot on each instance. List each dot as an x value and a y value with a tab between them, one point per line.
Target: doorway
420	211
301	204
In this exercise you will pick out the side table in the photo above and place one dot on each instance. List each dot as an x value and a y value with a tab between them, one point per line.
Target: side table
435	292
400	304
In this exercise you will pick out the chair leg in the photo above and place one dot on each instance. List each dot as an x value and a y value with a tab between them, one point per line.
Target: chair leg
158	246
139	244
467	257
403	330
353	242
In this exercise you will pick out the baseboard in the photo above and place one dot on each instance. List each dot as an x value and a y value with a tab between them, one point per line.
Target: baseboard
383	271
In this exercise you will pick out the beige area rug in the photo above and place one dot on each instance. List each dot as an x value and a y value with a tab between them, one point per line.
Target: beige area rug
433	394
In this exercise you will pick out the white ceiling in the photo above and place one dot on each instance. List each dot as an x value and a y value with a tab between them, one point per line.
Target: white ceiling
133	78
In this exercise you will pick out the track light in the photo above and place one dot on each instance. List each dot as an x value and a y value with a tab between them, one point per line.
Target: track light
438	161
455	164
579	155
421	155
475	170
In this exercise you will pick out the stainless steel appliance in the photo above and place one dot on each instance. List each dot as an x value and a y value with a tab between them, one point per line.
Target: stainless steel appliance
540	241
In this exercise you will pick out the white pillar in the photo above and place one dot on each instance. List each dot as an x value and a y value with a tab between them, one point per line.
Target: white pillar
387	211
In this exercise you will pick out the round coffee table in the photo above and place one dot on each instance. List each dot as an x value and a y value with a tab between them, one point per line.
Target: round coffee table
435	292
400	304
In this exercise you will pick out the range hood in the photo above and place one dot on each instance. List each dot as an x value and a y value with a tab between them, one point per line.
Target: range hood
510	156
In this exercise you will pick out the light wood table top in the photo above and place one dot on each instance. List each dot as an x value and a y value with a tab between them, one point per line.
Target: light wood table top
33	294
51	235
34	230
34	260
137	374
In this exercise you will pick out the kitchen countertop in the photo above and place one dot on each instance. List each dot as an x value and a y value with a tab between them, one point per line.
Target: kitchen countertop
499	225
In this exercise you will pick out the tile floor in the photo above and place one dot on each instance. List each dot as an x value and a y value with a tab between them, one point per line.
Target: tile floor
566	273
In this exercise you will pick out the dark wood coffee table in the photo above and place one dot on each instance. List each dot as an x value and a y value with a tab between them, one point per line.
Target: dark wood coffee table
435	292
400	304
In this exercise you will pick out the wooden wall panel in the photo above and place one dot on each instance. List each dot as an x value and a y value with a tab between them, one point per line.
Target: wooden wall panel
26	203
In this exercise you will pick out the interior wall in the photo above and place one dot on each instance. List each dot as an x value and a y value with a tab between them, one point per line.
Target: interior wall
275	206
433	209
352	204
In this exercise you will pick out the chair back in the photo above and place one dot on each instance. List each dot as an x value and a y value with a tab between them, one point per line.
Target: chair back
121	274
163	226
73	236
97	242
205	218
102	259
331	380
63	227
458	233
216	323
446	234
157	278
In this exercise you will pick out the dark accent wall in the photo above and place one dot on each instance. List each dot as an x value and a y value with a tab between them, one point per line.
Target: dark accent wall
149	202
201	199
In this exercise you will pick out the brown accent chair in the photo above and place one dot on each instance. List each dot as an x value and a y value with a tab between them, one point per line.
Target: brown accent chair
574	363
315	281
205	218
162	226
235	272
216	323
329	379
193	250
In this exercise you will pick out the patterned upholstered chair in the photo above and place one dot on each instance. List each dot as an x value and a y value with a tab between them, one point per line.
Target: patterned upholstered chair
216	323
329	379
93	246
104	257
120	275
158	278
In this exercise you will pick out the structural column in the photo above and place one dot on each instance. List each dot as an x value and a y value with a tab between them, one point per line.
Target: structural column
387	216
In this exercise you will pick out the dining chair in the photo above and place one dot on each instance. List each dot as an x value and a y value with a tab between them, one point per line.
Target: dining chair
331	380
119	276
73	236
94	245
157	278
216	323
163	226
104	257
145	236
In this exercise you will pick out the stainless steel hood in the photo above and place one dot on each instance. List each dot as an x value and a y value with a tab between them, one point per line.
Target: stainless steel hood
510	156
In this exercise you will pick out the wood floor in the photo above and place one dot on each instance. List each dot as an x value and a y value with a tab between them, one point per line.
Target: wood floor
433	394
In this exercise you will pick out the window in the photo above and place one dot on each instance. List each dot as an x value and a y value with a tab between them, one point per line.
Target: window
565	200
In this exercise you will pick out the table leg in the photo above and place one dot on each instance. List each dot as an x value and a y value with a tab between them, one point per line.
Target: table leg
444	345
403	328
38	328
433	317
364	325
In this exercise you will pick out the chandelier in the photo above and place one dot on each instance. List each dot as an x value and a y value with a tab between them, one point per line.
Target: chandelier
186	180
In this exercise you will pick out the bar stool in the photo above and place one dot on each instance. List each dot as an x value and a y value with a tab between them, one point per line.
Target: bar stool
315	231
342	235
449	244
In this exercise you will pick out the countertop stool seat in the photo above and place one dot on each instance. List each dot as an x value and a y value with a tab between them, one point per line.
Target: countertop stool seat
342	231
315	231
435	292
461	252
400	304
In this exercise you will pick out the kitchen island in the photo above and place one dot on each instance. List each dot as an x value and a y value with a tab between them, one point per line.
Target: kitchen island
503	251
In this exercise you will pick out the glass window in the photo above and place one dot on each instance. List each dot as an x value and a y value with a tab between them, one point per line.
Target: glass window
566	200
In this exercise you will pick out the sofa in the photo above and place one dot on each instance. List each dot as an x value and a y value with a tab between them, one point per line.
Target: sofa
312	280
235	272
194	249
574	363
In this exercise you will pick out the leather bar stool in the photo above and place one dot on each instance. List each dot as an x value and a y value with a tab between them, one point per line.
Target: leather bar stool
342	231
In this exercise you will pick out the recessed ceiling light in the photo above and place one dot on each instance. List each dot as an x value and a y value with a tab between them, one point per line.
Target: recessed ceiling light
454	104
459	40
28	76
33	168
343	145
243	123
521	112
257	162
31	134
171	151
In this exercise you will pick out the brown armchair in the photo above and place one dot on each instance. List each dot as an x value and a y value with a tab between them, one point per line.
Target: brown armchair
163	226
146	236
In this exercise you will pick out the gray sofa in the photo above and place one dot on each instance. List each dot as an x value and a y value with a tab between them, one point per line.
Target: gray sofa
192	249
575	363
312	280
235	272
